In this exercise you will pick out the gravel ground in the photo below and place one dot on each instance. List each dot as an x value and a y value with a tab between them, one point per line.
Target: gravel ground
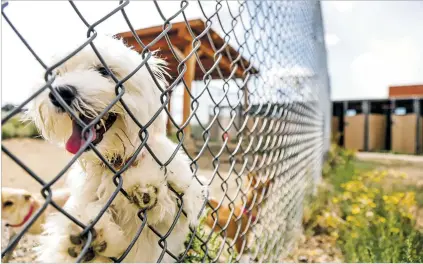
24	252
316	249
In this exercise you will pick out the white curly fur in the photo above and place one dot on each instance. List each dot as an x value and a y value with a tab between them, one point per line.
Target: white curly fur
91	183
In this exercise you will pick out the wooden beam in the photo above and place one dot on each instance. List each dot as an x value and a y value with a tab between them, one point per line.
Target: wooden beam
208	50
178	52
156	30
189	77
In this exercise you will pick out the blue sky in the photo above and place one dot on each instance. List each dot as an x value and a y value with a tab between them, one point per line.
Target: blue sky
371	45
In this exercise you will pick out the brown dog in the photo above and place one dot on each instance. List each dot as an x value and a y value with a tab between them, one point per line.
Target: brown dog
18	206
237	221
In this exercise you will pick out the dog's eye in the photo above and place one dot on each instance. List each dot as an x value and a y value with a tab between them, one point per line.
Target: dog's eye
8	203
103	71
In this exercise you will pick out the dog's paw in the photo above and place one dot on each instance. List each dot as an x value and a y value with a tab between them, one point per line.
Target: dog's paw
108	240
143	197
98	246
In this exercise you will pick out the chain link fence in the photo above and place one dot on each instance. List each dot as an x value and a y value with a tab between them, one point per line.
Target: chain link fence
259	137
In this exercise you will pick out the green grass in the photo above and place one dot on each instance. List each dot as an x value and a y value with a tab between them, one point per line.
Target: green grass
342	174
196	252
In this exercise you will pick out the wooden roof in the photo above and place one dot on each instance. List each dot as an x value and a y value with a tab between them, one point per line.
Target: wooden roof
181	39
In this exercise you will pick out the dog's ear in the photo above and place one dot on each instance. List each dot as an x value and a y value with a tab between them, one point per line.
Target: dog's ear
213	203
251	176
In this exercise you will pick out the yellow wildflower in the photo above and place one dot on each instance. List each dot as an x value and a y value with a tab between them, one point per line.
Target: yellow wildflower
394	230
408	200
355	209
334	234
382	219
408	215
354	186
328	220
364	200
393	199
350	218
354	235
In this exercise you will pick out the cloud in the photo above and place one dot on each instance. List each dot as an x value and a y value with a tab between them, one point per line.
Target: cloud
343	6
295	71
331	39
386	63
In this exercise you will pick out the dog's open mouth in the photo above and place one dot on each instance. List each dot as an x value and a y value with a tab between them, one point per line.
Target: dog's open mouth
76	140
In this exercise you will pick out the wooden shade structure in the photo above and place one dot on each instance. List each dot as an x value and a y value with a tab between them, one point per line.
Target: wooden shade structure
182	43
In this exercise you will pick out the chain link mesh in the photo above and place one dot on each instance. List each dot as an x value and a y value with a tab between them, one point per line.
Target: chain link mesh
267	117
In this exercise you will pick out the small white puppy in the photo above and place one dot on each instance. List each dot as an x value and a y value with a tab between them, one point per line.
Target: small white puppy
87	87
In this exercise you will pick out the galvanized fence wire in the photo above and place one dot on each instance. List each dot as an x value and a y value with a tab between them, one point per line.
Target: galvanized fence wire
277	115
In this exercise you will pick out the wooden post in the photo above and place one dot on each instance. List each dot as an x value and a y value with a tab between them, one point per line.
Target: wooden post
169	123
169	107
189	77
246	96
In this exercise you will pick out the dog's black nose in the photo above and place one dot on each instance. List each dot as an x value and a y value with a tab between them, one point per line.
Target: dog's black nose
68	94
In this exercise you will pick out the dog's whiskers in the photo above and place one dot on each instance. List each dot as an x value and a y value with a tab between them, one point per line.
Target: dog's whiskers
123	131
119	109
123	144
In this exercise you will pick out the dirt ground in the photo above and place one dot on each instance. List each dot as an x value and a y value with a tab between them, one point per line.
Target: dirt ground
409	164
45	160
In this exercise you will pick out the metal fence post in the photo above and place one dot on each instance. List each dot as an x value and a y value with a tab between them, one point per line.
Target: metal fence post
417	111
366	110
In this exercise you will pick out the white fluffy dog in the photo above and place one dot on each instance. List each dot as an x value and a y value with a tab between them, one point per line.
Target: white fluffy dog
87	87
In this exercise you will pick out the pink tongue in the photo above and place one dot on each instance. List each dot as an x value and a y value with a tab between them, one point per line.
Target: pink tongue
75	141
